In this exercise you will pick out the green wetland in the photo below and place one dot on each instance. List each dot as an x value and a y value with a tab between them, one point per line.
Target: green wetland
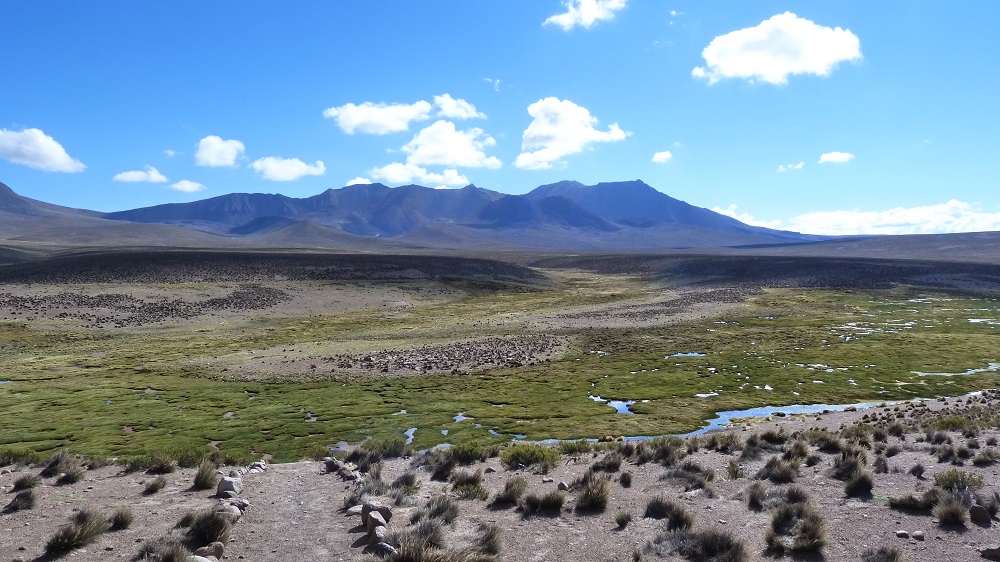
277	359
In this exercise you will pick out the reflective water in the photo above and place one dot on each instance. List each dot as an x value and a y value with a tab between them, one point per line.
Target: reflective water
459	417
620	405
409	434
685	354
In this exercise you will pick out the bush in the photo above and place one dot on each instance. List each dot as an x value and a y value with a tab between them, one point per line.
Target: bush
160	463
512	491
469	485
677	517
10	456
26	481
595	495
625	479
86	526
576	448
917	470
207	527
206	477
552	501
986	457
755	496
851	460
73	472
530	454
703	546
912	503
955	480
489	539
121	518
25	499
442	507
467	453
155	485
860	484
778	471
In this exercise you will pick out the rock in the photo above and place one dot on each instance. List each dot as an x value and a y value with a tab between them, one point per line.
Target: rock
375	519
197	558
216	550
229	495
547	480
377	535
229	484
489	470
231	512
384	549
723	521
919	535
990	552
382	509
347	473
239	503
902	534
563	486
356	510
979	514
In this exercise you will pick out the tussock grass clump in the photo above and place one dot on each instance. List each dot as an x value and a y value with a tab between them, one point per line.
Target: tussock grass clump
986	457
161	463
611	462
799	521
733	470
26	481
25	499
512	491
755	496
950	511
207	527
154	485
922	504
576	448
825	441
881	465
955	480
917	470
622	519
121	518
991	502
691	475
724	442
206	477
860	484
439	507
625	480
57	463
546	503
386	447
489	538
595	494
668	451
428	533
775	436
441	464
163	550
798	451
661	507
469	485
883	554
72	473
85	527
778	470
710	545
850	461
468	453
530	454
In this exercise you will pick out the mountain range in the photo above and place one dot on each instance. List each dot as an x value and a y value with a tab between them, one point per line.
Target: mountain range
567	215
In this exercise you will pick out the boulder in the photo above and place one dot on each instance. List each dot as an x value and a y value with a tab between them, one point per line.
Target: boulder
215	549
489	470
231	512
919	535
374	520
377	535
383	510
902	534
990	552
229	484
197	558
979	514
356	510
563	486
384	549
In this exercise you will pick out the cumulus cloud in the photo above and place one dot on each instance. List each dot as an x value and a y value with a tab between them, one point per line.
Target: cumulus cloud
215	152
378	118
585	13
35	149
952	216
187	186
782	168
358	181
150	175
835	157
407	173
560	128
781	46
456	108
286	169
661	157
441	144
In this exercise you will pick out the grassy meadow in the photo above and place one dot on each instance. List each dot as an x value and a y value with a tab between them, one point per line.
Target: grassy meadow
127	392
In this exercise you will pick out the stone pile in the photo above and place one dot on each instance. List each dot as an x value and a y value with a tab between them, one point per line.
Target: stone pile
375	519
347	471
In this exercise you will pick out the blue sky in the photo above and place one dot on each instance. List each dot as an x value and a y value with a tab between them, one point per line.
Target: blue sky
115	105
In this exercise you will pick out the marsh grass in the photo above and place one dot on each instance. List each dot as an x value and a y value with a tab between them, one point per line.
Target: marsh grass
530	455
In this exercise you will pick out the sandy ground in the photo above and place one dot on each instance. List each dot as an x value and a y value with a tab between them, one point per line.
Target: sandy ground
296	508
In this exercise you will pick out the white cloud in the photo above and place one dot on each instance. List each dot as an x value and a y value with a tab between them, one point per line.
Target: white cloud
781	46
585	13
952	216
187	186
782	168
560	128
745	218
456	108
286	169
35	149
835	157
358	181
441	144
150	175
169	153
399	173
661	157
378	118
494	82
215	152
